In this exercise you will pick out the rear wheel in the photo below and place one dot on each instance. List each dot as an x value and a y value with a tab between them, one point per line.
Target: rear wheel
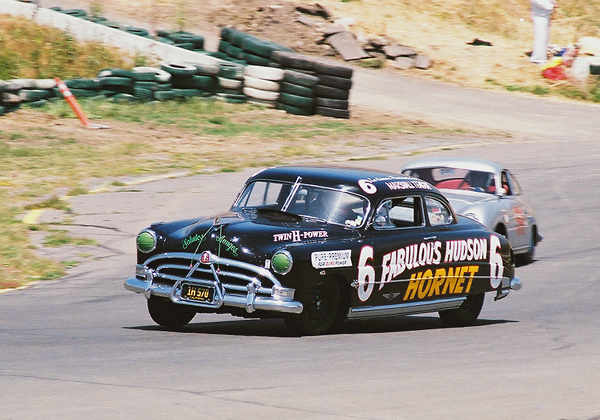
466	314
168	314
323	309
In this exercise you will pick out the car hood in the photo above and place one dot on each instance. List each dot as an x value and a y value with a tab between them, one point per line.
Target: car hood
463	200
243	237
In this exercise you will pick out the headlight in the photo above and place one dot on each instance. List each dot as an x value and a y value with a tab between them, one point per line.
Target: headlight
146	241
282	262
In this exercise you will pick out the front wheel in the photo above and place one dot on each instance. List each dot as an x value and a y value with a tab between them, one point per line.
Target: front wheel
323	309
466	314
168	314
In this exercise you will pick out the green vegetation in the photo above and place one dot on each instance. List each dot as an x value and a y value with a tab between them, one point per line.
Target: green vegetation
31	51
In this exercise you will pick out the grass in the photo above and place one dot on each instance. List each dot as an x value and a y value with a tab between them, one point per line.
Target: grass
46	154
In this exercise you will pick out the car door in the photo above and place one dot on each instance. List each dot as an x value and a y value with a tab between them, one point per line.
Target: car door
391	251
518	229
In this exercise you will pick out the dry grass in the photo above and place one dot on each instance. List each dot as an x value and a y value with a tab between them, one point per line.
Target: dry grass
438	28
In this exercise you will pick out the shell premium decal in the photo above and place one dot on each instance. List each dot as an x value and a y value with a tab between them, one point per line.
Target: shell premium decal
331	259
299	236
427	283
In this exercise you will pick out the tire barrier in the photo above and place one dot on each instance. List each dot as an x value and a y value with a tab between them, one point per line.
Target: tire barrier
333	89
262	85
244	48
230	86
182	39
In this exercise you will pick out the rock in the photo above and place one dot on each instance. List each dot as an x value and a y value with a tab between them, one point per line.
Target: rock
423	62
404	63
393	51
345	44
305	20
346	22
332	30
315	10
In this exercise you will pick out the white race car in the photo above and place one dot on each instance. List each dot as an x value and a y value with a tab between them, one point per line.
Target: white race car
484	191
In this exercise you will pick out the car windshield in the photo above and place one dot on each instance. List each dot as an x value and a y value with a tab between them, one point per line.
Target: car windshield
308	201
456	178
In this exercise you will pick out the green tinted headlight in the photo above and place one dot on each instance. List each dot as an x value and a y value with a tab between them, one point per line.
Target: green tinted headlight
146	241
282	262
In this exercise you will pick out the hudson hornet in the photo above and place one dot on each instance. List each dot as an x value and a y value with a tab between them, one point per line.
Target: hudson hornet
317	246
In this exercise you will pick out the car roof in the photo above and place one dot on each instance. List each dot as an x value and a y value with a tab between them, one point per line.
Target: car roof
461	163
348	179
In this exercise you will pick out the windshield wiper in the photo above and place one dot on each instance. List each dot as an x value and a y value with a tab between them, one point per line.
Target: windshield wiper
272	211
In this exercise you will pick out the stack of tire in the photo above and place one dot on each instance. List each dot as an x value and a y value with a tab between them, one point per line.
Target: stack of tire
244	48
262	85
150	83
32	92
83	87
333	89
116	84
298	85
231	82
182	39
186	82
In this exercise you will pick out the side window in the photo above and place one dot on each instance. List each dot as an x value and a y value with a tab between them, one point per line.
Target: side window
437	212
516	188
401	212
506	184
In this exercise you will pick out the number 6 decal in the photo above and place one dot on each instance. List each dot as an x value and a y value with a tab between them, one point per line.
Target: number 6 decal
496	265
366	273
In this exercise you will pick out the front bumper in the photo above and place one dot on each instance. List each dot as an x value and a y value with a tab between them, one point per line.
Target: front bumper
253	296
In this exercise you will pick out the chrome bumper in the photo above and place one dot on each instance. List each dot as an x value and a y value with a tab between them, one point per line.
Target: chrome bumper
507	285
251	297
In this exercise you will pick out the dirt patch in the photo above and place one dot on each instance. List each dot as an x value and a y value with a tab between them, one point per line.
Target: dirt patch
441	38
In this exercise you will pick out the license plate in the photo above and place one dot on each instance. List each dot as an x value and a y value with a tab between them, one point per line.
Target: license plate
197	293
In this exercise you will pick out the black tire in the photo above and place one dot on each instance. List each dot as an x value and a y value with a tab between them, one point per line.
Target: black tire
181	70
293	60
115	81
297	101
255	60
466	314
187	38
323	91
115	73
332	112
297	90
164	95
331	69
324	308
84	93
83	83
138	31
168	314
231	71
332	103
336	82
290	109
301	79
195	82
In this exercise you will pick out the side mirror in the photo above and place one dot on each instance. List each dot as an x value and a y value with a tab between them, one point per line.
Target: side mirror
380	221
502	192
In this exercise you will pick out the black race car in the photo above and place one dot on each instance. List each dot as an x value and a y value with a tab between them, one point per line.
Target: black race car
320	245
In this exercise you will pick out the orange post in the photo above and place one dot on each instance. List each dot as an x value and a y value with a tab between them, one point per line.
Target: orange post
62	87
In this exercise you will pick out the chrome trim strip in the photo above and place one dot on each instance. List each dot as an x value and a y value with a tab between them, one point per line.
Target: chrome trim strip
404	308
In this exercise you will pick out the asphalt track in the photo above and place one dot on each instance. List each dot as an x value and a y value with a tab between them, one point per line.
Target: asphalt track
83	347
